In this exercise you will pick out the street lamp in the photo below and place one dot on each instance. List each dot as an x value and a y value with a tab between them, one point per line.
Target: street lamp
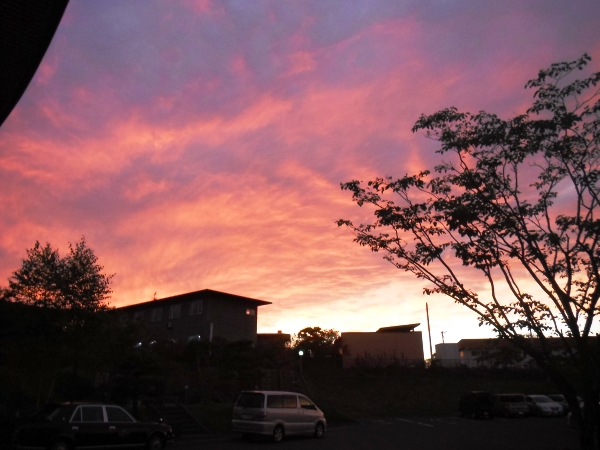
301	352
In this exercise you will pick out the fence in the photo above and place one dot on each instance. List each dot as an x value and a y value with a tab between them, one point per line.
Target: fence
484	363
381	361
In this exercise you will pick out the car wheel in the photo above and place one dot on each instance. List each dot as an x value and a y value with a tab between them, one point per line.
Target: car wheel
61	445
506	413
278	434
156	443
538	413
319	430
246	436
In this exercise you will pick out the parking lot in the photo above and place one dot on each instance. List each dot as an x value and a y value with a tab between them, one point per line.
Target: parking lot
450	433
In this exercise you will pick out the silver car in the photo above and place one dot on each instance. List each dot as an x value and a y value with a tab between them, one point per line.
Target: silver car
540	405
277	414
510	405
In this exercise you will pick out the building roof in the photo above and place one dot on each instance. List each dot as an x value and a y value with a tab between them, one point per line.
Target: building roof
480	343
273	339
191	296
493	343
399	328
275	335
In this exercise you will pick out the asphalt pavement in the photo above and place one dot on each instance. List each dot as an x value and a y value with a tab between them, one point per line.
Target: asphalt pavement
407	433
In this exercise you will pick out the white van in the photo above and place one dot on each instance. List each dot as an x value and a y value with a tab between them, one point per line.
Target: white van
276	414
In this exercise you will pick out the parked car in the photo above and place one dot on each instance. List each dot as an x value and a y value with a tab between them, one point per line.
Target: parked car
71	426
561	400
541	405
277	414
476	404
510	405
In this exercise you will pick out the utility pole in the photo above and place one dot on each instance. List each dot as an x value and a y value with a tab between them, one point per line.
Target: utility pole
429	331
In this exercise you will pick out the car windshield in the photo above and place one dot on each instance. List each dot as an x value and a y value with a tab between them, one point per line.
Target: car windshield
251	400
541	399
557	398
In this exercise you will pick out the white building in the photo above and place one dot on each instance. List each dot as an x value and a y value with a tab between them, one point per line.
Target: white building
446	355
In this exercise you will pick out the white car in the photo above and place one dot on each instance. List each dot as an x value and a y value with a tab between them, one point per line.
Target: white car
277	414
540	405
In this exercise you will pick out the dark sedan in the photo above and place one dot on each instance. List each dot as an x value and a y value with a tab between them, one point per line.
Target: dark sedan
79	426
476	404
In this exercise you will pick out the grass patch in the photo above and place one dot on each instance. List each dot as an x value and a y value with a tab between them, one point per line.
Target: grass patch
349	395
215	416
356	394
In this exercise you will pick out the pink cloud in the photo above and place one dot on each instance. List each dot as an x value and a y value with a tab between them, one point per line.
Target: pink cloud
201	144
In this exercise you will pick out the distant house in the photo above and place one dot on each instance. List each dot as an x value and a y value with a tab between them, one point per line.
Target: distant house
388	346
273	340
201	316
493	353
447	355
496	352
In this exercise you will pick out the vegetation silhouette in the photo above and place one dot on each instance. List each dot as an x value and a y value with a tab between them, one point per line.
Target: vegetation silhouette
317	342
515	203
56	306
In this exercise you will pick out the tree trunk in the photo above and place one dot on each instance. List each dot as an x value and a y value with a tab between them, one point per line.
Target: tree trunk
51	388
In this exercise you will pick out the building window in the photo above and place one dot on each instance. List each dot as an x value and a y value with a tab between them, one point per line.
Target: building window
174	311
138	315
196	308
250	312
156	315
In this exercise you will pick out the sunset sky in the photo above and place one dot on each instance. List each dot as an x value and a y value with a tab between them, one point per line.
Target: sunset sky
201	144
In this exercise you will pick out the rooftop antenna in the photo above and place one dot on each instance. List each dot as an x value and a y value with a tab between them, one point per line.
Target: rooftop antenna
443	332
154	298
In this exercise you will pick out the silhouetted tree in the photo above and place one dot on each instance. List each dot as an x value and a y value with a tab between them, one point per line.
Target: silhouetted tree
74	283
317	342
516	204
57	304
